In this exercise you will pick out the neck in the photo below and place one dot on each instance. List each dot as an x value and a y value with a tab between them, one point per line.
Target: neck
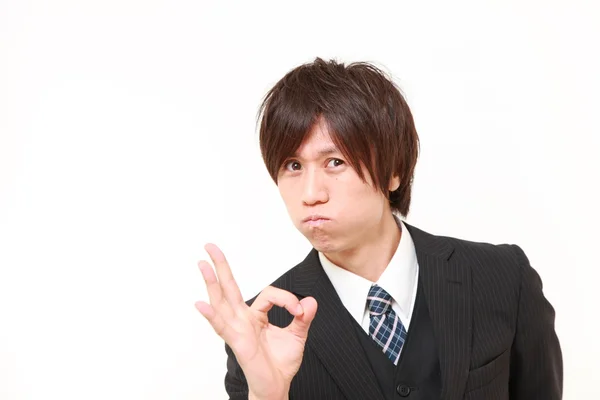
372	256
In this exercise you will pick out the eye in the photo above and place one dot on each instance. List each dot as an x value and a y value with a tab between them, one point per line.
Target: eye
292	165
336	162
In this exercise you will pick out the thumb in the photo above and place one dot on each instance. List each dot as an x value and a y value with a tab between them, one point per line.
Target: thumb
301	322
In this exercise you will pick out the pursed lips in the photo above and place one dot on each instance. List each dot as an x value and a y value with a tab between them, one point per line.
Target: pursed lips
315	220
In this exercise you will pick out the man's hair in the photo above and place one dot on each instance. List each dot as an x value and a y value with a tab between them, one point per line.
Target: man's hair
367	116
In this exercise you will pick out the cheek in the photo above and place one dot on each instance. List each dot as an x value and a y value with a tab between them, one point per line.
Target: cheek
362	200
356	190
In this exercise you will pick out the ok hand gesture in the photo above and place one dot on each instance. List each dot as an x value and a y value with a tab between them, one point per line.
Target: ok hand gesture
269	356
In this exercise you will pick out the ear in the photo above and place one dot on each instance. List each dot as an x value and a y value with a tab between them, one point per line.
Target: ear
394	183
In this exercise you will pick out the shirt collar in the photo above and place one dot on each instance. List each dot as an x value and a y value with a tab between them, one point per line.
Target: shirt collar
398	279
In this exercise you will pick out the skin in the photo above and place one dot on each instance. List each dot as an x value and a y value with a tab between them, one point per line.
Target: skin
358	233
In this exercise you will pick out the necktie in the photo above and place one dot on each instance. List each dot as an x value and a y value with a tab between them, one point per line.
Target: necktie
385	328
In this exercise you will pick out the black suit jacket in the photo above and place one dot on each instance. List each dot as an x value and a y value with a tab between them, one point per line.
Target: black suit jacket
493	327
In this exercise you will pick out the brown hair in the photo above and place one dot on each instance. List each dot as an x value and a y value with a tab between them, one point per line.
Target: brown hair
367	116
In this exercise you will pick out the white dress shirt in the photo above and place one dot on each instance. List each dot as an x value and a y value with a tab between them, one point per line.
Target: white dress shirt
399	279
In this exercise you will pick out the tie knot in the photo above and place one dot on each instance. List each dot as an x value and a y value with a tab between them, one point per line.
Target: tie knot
378	300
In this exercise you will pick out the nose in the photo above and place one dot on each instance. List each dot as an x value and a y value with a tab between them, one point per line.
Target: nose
314	190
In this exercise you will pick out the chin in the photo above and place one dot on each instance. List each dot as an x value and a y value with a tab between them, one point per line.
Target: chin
322	239
322	244
324	249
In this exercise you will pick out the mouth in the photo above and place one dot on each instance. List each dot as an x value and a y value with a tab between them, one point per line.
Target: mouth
315	220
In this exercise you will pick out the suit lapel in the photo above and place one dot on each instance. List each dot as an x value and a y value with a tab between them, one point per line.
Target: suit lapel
332	336
447	289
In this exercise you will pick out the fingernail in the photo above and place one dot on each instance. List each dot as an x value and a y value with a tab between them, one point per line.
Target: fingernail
299	309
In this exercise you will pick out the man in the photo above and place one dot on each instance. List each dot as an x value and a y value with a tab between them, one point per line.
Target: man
379	309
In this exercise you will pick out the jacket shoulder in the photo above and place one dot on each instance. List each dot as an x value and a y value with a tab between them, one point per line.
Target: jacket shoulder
482	257
505	253
490	262
455	247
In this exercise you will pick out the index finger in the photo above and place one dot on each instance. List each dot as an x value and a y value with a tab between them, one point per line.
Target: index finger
231	291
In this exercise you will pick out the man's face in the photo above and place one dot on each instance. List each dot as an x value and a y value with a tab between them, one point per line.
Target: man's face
326	199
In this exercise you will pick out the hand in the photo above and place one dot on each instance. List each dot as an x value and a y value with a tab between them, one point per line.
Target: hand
269	356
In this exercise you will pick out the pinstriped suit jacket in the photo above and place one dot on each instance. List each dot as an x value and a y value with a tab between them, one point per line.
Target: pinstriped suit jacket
493	327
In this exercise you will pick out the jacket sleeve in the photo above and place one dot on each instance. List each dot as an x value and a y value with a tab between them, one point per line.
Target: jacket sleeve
536	370
235	381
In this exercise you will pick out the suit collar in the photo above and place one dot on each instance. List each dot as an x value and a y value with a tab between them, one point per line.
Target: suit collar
432	245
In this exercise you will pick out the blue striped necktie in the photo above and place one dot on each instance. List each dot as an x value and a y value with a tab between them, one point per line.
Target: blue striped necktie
385	327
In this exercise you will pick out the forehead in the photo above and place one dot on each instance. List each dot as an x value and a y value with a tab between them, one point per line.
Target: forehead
317	142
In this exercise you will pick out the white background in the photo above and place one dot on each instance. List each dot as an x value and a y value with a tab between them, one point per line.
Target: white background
127	141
